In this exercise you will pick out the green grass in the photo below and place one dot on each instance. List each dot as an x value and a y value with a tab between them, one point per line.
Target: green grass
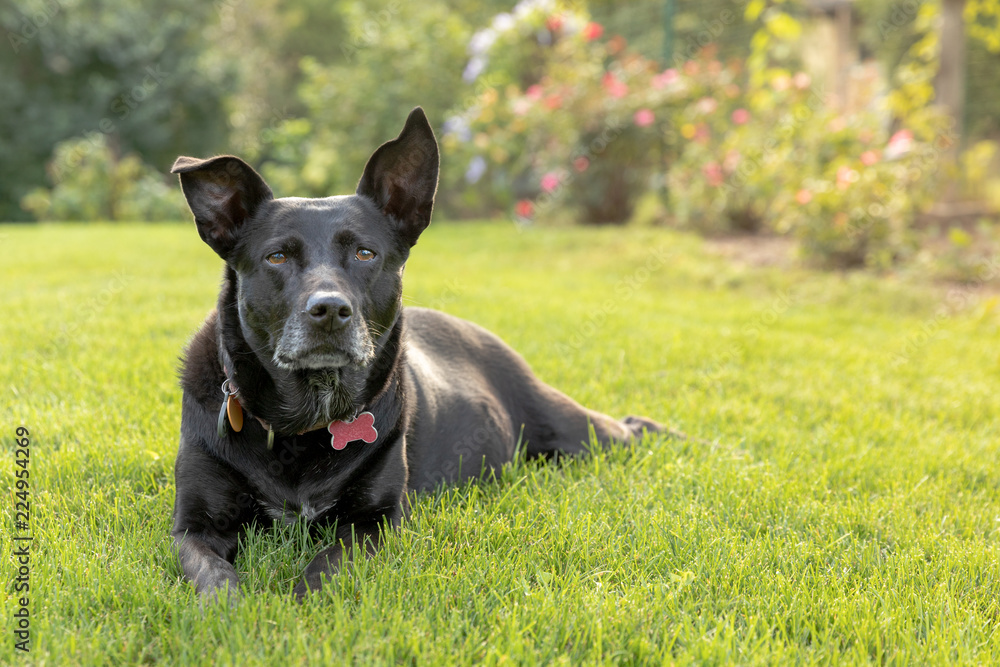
848	511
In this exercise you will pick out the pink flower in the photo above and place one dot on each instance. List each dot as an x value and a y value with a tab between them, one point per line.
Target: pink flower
740	116
616	45
534	92
801	80
691	67
553	101
524	208
713	174
899	144
581	163
644	118
901	136
803	196
666	78
732	161
592	31
550	181
868	158
701	133
553	23
614	87
706	105
846	176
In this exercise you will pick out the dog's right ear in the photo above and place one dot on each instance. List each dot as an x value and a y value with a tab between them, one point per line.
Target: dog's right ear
222	193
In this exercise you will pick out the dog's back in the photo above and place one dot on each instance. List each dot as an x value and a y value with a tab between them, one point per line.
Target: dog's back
473	395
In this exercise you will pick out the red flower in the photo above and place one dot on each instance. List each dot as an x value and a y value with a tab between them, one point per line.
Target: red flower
553	102
592	31
524	209
554	22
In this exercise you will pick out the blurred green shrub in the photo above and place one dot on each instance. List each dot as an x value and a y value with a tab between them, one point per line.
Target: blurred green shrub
92	183
399	55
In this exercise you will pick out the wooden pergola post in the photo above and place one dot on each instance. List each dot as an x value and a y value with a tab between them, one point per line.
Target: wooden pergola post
842	16
950	83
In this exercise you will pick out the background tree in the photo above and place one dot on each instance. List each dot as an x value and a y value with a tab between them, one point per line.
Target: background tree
133	72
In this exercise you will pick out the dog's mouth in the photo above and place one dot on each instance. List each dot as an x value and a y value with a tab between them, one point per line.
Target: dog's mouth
313	360
300	350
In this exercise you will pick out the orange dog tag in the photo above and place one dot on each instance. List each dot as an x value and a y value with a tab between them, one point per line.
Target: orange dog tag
235	412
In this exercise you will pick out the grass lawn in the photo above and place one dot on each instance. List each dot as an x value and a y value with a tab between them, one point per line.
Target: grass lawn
848	510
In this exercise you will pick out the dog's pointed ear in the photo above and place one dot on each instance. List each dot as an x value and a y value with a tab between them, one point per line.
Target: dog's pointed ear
222	192
401	176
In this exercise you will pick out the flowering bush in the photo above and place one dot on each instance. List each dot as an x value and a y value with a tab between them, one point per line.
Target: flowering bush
565	122
856	202
557	116
785	161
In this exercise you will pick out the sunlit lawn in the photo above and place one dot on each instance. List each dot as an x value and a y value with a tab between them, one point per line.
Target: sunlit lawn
848	509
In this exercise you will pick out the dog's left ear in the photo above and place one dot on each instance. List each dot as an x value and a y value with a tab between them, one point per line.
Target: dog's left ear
222	192
401	176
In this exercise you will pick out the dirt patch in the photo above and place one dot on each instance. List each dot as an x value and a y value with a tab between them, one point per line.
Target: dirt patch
756	251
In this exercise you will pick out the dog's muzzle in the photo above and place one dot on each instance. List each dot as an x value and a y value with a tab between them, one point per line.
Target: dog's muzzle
325	335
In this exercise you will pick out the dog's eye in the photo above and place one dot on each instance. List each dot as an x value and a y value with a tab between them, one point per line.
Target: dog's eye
277	258
364	254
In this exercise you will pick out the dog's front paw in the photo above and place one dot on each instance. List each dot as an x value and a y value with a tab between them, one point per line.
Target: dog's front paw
227	595
638	424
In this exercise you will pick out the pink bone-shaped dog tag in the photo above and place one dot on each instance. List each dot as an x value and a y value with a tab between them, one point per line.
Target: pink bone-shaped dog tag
361	427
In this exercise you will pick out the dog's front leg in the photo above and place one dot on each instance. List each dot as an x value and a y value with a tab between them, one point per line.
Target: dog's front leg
204	563
210	509
356	536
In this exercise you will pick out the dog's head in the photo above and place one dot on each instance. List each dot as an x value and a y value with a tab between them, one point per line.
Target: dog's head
318	280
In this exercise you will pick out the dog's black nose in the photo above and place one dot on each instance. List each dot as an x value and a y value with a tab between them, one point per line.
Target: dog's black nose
329	309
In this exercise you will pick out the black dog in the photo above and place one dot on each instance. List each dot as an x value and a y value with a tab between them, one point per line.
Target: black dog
310	341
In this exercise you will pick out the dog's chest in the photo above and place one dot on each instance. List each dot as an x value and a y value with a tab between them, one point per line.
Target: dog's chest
299	479
289	511
312	500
